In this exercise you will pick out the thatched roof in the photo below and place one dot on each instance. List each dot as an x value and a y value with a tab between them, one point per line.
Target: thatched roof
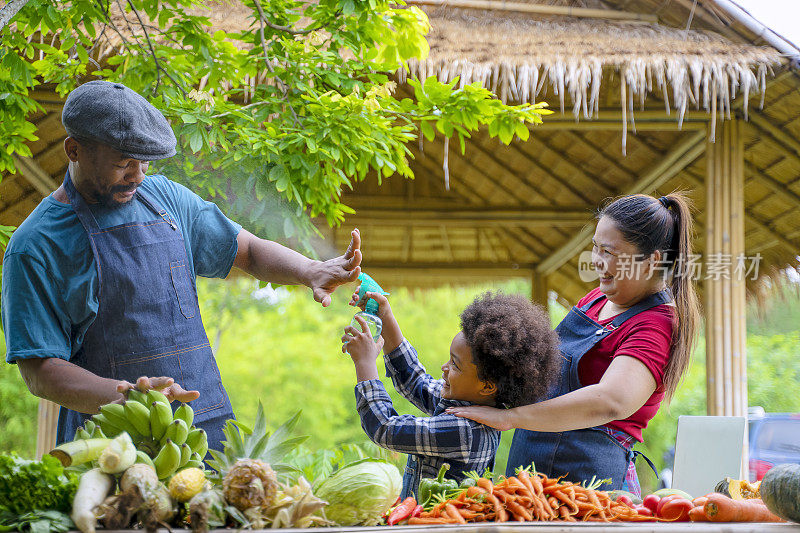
524	209
516	56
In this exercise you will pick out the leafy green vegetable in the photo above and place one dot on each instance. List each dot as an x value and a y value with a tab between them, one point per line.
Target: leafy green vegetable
27	486
36	522
361	492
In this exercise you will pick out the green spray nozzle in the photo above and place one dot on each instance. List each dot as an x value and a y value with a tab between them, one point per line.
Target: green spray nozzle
369	285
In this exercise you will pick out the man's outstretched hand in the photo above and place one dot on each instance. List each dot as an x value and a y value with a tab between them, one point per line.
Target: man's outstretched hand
325	276
166	385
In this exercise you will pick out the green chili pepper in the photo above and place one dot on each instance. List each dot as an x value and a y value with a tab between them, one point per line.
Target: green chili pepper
428	487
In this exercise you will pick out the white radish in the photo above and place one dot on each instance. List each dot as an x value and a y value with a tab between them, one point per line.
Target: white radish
93	488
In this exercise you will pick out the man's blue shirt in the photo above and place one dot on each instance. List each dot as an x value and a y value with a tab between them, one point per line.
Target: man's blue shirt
50	283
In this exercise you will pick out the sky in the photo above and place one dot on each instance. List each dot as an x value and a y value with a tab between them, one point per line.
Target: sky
782	16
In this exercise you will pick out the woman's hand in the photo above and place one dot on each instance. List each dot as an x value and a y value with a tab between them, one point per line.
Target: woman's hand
362	349
166	385
490	416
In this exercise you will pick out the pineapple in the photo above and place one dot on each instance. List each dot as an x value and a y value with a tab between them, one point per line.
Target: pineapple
250	483
252	462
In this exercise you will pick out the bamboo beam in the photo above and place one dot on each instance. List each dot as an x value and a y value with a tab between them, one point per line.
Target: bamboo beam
573	168
739	287
672	163
784	139
452	271
18	202
650	113
47	424
539	289
763	226
468	217
537	168
781	189
518	7
35	175
606	125
726	374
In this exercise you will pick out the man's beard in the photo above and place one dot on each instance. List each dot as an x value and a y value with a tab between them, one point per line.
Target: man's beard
107	199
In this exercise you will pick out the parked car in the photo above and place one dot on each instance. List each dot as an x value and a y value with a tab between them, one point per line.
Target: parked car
773	438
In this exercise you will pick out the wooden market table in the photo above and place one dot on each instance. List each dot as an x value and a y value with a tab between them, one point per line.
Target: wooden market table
544	527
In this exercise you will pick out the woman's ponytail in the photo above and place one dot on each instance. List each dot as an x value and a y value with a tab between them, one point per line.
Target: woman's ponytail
687	316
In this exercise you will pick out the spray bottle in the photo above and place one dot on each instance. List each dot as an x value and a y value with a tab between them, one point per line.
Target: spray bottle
370	313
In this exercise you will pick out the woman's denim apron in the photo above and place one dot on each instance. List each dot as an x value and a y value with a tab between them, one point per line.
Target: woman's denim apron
148	322
581	454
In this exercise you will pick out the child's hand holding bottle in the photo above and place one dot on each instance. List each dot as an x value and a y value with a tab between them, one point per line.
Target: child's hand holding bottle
362	349
390	331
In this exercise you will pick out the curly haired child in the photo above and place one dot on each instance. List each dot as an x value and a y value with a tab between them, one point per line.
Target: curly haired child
506	354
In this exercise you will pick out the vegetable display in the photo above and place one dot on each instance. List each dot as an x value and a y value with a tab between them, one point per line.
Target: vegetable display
35	495
168	441
361	492
720	508
528	497
438	486
261	482
27	486
739	489
780	490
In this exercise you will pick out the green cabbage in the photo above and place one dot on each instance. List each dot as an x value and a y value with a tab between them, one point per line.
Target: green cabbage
360	492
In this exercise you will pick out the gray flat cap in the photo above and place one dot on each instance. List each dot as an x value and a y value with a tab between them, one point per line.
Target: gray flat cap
114	115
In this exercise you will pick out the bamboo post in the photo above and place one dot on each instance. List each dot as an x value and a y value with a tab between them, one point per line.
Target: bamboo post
539	289
726	358
47	421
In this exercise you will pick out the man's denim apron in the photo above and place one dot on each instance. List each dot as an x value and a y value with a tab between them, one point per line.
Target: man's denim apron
148	322
582	453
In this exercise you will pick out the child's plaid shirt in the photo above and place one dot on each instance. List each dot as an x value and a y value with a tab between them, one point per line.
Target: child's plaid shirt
429	441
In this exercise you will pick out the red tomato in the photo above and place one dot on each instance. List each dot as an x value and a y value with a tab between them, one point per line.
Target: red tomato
624	499
651	502
676	510
663	502
643	511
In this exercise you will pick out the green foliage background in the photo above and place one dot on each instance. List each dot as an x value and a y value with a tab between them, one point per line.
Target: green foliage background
288	354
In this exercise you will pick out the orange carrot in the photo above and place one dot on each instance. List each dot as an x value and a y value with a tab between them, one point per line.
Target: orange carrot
500	514
419	521
563	512
468	515
453	513
474	491
720	508
485	484
502	495
518	487
553	501
525	478
536	482
698	514
573	507
518	511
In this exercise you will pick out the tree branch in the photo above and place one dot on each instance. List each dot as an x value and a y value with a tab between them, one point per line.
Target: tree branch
287	29
282	86
159	68
9	10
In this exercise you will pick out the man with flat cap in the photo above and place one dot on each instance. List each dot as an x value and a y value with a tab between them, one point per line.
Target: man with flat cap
99	281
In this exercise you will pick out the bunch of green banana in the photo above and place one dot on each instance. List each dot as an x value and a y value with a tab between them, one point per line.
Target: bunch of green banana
165	440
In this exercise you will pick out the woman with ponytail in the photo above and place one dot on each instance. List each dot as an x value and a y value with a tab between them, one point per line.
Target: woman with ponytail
626	346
